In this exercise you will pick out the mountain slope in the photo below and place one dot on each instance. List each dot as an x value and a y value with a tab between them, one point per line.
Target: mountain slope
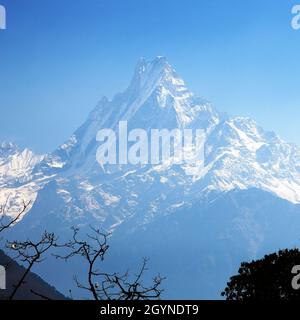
33	282
158	98
71	188
198	249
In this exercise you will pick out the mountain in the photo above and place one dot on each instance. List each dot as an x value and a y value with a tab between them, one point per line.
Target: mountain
198	249
33	283
71	188
16	178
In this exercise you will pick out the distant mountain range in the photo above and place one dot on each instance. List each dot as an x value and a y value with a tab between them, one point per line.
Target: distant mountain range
198	222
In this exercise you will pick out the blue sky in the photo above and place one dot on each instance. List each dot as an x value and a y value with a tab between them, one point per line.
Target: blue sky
59	57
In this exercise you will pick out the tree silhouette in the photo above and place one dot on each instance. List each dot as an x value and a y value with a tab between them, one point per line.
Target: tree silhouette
7	222
108	286
92	248
30	253
267	279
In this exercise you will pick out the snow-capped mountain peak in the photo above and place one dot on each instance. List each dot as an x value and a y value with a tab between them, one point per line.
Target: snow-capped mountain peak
7	148
15	163
155	73
158	81
238	154
227	207
17	181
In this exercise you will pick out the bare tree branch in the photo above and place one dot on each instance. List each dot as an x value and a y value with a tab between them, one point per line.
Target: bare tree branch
102	285
7	222
40	295
30	253
118	287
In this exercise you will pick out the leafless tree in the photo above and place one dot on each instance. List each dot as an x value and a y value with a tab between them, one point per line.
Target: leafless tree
7	222
27	251
30	253
102	285
124	287
42	296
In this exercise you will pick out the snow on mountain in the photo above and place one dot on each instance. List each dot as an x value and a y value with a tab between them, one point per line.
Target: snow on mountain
238	155
16	180
197	223
241	155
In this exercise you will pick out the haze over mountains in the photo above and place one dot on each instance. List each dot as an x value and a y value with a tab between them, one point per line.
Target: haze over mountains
196	223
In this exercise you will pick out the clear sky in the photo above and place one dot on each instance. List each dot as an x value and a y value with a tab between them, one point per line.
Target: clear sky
59	57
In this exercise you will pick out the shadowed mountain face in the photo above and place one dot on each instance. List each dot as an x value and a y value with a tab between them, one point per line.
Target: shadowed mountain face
198	248
33	283
208	213
201	247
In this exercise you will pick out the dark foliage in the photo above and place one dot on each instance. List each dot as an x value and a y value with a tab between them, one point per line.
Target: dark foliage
267	279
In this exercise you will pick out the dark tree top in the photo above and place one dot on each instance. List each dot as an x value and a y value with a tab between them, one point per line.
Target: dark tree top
267	279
